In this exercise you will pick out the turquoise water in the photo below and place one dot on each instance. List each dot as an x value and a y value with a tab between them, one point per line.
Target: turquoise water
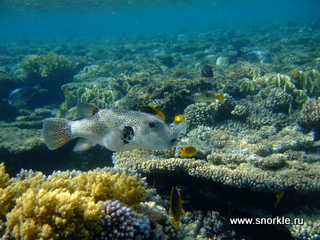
63	19
257	145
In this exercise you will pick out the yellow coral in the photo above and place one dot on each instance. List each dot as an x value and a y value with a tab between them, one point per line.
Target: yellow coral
62	206
54	214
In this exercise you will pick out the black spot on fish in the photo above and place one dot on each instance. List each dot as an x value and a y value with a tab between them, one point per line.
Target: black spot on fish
152	124
128	134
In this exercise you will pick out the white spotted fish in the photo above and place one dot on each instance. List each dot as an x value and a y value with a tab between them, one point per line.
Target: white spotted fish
115	129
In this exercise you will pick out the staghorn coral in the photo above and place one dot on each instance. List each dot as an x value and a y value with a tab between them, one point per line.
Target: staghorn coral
51	65
119	222
64	205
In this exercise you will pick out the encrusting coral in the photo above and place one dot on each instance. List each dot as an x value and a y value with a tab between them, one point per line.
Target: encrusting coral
63	205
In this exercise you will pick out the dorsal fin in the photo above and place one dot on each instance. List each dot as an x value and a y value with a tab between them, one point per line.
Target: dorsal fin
86	110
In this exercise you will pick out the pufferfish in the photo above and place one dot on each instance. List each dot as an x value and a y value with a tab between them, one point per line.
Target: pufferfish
114	129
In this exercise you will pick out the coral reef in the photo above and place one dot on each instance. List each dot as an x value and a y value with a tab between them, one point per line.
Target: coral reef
64	205
119	222
251	147
307	227
310	113
161	226
242	158
207	225
307	81
51	65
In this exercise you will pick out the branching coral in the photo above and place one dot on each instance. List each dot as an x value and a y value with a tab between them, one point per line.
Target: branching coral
63	205
54	214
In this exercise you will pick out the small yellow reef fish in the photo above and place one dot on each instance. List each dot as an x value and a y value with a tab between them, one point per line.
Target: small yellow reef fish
152	110
179	118
67	92
176	209
188	151
179	124
207	97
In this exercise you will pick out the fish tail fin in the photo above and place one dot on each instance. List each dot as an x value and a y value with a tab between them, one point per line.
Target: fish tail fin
57	132
221	97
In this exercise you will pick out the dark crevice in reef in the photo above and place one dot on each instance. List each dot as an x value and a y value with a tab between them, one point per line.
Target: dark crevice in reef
233	202
42	159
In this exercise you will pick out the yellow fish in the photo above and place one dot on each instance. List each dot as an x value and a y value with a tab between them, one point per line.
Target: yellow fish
179	118
67	92
152	110
188	151
179	123
207	97
176	209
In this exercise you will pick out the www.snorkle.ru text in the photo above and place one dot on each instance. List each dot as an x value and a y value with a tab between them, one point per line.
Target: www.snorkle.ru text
275	220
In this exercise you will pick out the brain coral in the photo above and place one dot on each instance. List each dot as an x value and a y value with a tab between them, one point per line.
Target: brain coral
65	205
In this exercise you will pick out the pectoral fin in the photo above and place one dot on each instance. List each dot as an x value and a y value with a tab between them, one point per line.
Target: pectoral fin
83	145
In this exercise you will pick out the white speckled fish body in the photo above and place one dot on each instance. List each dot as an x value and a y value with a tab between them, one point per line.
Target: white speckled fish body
115	129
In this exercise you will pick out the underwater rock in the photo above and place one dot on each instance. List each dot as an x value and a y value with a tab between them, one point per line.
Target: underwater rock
167	60
206	71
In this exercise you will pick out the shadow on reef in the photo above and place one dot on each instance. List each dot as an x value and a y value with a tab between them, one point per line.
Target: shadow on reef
233	202
64	158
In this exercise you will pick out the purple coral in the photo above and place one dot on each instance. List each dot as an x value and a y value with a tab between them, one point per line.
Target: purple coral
120	222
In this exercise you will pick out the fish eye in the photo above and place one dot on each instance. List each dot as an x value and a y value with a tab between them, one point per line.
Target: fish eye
152	124
173	140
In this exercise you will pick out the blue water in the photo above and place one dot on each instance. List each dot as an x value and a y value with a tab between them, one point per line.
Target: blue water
21	20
